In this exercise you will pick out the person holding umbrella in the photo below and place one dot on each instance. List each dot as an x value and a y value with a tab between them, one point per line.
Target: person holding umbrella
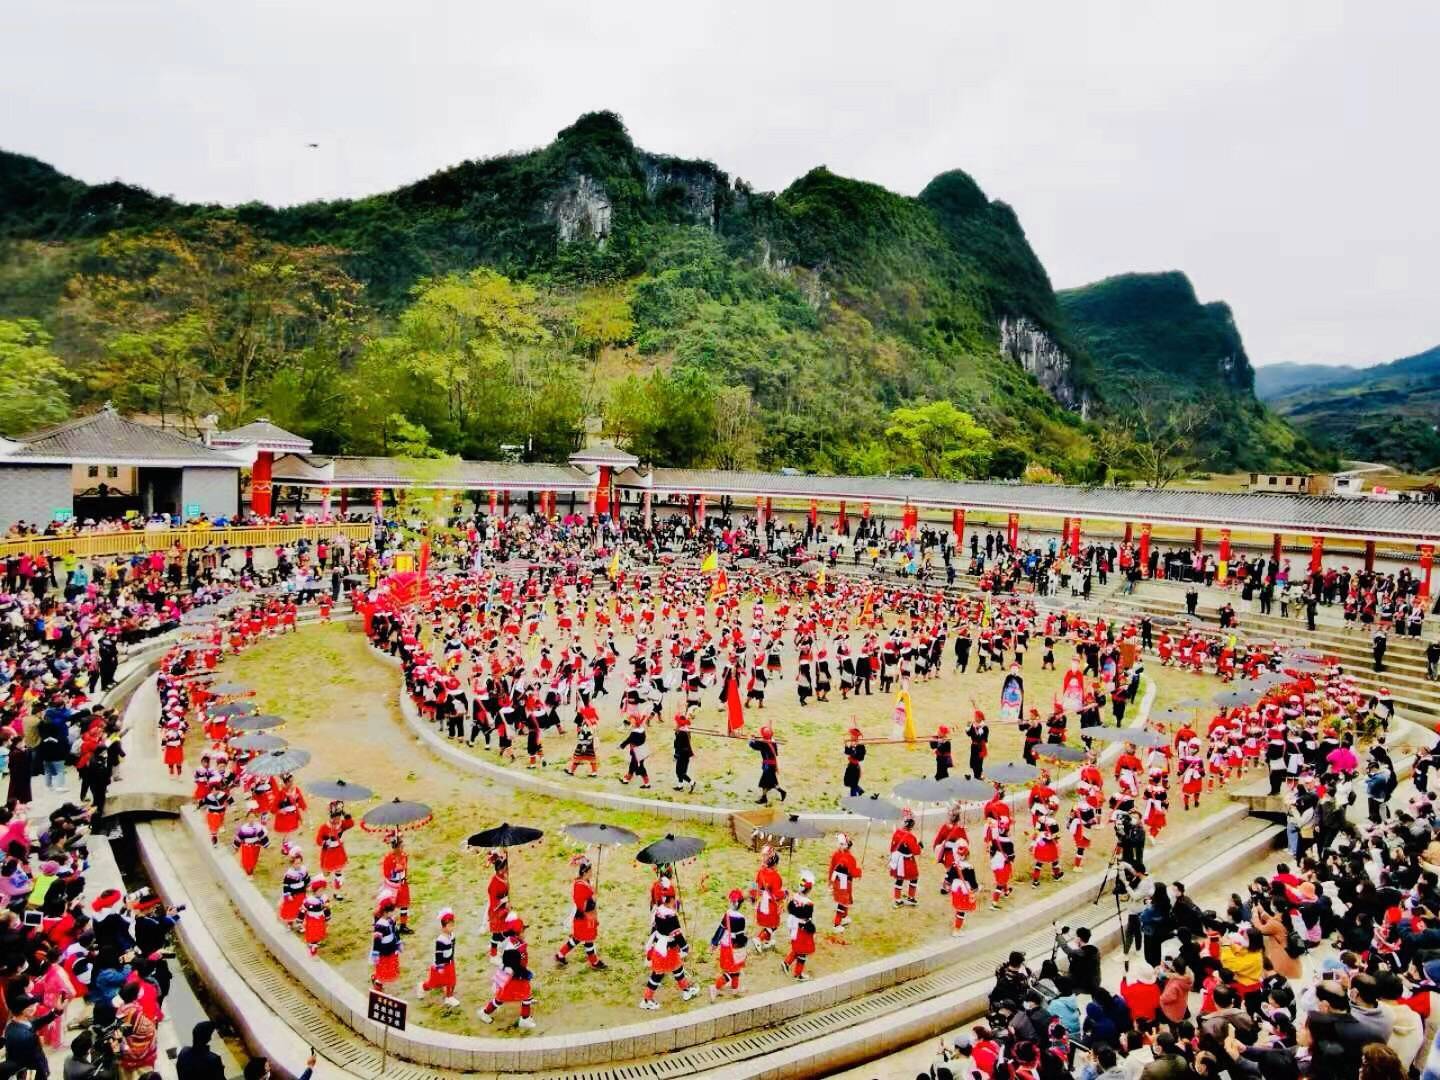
801	912
395	880
512	983
904	860
844	870
731	939
584	920
497	902
768	895
330	839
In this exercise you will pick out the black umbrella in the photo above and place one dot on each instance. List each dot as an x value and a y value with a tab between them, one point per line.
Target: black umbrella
504	836
871	807
1145	737
1107	734
258	743
924	789
255	722
602	836
354	579
1060	752
967	790
1172	716
234	708
1230	699
338	789
1013	772
669	851
278	762
230	689
396	814
1191	703
791	828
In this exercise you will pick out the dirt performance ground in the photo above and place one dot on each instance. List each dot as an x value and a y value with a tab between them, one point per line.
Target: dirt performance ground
340	702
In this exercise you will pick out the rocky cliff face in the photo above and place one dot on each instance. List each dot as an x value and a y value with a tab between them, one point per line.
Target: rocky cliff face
581	209
693	188
1036	351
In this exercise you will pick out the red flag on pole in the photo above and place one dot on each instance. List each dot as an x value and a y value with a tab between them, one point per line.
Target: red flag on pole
734	708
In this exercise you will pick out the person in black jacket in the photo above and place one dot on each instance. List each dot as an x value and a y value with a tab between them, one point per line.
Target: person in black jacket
1084	958
22	1045
197	1061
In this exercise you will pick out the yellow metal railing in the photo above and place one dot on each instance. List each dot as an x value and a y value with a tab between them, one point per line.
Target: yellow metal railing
89	545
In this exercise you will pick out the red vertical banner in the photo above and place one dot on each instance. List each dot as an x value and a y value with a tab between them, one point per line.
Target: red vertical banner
1427	560
602	492
841	522
1317	553
260	483
814	511
1075	537
424	562
1012	531
1275	544
1199	539
1225	545
1065	534
957	522
910	519
494	498
1144	547
865	510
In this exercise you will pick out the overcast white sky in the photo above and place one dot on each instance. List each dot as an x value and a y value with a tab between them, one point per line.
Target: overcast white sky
1284	154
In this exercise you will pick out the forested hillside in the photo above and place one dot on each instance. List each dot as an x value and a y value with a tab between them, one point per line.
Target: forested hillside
835	326
1388	412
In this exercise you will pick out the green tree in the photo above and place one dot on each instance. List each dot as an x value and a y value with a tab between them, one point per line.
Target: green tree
33	380
939	439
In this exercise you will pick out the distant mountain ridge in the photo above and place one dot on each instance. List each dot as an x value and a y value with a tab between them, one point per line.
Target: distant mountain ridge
832	302
1389	412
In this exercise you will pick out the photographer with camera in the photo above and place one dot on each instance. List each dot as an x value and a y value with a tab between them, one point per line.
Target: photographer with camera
1084	958
94	1056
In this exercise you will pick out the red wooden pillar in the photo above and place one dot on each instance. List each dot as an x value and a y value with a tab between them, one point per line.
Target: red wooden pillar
1129	532
1144	547
379	502
1317	553
1275	545
505	502
1065	534
1012	531
1370	556
494	498
1427	559
1075	537
957	522
260	485
769	506
344	501
1199	539
700	508
840	522
692	500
